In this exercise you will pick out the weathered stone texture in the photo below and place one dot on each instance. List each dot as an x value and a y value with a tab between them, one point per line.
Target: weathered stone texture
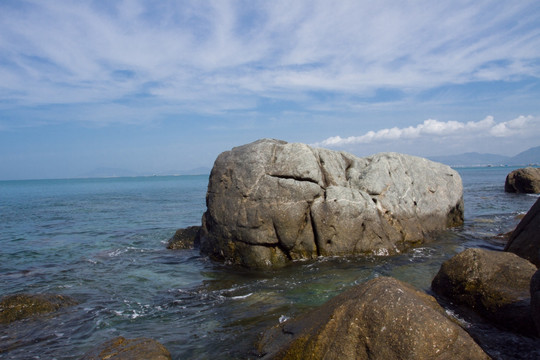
496	284
380	319
20	306
270	202
526	180
185	238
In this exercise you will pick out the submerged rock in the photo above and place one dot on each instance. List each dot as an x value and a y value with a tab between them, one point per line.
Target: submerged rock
271	202
383	318
121	348
20	306
525	239
495	284
526	180
187	238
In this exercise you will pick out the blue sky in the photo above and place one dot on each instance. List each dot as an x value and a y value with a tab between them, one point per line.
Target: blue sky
165	86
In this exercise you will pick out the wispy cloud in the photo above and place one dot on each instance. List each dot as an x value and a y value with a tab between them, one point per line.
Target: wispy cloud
208	75
435	129
194	53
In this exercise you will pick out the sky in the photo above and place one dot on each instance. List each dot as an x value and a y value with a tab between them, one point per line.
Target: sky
162	87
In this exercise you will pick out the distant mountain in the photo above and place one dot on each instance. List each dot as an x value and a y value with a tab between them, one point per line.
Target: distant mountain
530	156
471	159
108	172
197	171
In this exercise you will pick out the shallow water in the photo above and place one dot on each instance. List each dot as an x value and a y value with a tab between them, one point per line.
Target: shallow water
102	241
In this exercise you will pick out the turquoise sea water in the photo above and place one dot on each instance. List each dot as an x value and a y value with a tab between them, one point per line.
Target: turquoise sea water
103	241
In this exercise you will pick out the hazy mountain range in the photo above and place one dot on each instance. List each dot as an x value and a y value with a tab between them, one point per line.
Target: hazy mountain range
527	157
104	172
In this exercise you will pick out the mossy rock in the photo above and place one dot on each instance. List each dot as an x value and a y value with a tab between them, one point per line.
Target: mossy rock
121	348
383	318
187	238
20	306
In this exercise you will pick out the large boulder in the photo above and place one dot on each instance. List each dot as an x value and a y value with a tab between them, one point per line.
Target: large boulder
526	180
495	284
525	239
121	348
535	300
270	202
383	318
20	306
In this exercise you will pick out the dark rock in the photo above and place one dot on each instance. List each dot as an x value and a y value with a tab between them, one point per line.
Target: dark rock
495	284
526	180
20	306
121	348
525	239
383	318
271	202
187	238
535	300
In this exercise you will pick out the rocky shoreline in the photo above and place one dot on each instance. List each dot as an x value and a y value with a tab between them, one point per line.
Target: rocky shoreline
500	286
383	318
495	284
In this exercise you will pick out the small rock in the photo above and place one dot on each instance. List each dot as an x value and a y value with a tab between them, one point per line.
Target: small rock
185	238
121	348
525	239
526	180
493	283
20	306
383	318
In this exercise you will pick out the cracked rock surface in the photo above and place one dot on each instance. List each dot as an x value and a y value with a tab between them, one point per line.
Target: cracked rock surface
271	202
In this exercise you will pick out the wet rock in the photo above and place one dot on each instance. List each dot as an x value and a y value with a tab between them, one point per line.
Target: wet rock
187	238
535	300
121	348
20	306
383	318
526	180
495	284
525	239
271	202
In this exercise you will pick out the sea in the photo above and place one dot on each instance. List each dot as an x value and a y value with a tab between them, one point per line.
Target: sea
103	242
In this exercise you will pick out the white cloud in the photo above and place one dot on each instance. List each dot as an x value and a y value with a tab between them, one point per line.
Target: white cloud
513	127
439	129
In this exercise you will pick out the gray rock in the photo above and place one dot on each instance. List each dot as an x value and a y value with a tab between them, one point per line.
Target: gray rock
495	284
20	306
121	348
383	318
525	239
526	180
186	238
535	300
270	202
